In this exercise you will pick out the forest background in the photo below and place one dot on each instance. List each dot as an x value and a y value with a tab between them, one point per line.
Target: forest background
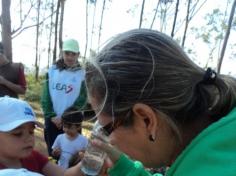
32	31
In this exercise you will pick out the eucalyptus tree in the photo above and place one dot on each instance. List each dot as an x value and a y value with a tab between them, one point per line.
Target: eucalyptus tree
54	57
101	22
37	42
175	18
141	14
192	9
86	35
50	26
212	33
24	18
6	28
94	2
230	21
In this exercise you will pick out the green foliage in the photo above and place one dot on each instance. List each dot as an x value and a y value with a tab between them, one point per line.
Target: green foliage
34	88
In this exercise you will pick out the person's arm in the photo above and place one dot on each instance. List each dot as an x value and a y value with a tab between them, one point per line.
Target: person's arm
56	150
122	164
20	87
22	81
74	171
14	87
46	102
52	169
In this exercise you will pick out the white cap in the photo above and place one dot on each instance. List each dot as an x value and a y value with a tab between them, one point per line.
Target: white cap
18	172
15	112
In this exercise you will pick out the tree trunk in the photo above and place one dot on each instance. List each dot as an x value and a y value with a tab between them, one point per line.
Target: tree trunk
100	26
55	34
186	23
154	17
226	36
175	17
37	43
94	13
61	24
50	34
163	17
141	15
86	42
6	28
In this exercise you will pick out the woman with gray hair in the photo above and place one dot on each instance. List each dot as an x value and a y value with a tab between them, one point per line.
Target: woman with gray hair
161	109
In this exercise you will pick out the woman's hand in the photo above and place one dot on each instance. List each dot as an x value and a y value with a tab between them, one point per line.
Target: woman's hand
107	164
112	152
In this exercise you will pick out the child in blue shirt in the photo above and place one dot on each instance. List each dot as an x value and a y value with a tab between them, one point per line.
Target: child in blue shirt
71	141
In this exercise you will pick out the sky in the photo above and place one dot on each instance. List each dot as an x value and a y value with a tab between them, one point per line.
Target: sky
116	20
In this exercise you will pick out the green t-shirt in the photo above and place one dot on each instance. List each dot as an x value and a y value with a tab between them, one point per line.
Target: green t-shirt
211	153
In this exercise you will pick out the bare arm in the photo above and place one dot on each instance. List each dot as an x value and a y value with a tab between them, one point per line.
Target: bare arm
74	171
14	87
51	169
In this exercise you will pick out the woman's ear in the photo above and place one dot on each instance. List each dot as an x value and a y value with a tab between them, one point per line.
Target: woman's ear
149	117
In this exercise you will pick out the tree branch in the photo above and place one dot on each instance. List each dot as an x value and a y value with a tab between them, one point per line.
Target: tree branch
27	27
22	21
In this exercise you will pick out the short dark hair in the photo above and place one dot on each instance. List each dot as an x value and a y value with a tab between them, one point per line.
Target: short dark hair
72	115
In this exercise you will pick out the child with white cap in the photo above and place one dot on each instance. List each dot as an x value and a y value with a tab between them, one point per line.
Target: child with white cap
17	124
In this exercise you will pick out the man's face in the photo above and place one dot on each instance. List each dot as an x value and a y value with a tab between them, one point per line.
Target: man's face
70	58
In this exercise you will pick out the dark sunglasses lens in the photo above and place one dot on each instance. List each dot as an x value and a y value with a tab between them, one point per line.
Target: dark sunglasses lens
108	128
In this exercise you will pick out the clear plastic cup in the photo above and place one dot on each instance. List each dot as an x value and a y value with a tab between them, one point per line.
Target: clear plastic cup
93	159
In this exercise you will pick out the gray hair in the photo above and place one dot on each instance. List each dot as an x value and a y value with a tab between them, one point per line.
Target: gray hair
146	66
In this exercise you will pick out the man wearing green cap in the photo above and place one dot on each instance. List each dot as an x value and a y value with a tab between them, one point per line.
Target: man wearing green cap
64	87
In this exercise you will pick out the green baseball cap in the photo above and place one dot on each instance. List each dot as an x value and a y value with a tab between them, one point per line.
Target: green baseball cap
71	45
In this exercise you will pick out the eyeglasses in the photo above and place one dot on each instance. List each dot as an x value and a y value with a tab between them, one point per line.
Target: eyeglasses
70	53
109	128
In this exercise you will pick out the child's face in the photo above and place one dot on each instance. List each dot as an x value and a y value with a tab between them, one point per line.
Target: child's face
19	142
71	129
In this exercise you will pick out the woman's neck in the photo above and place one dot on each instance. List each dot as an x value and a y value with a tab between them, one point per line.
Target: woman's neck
190	131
